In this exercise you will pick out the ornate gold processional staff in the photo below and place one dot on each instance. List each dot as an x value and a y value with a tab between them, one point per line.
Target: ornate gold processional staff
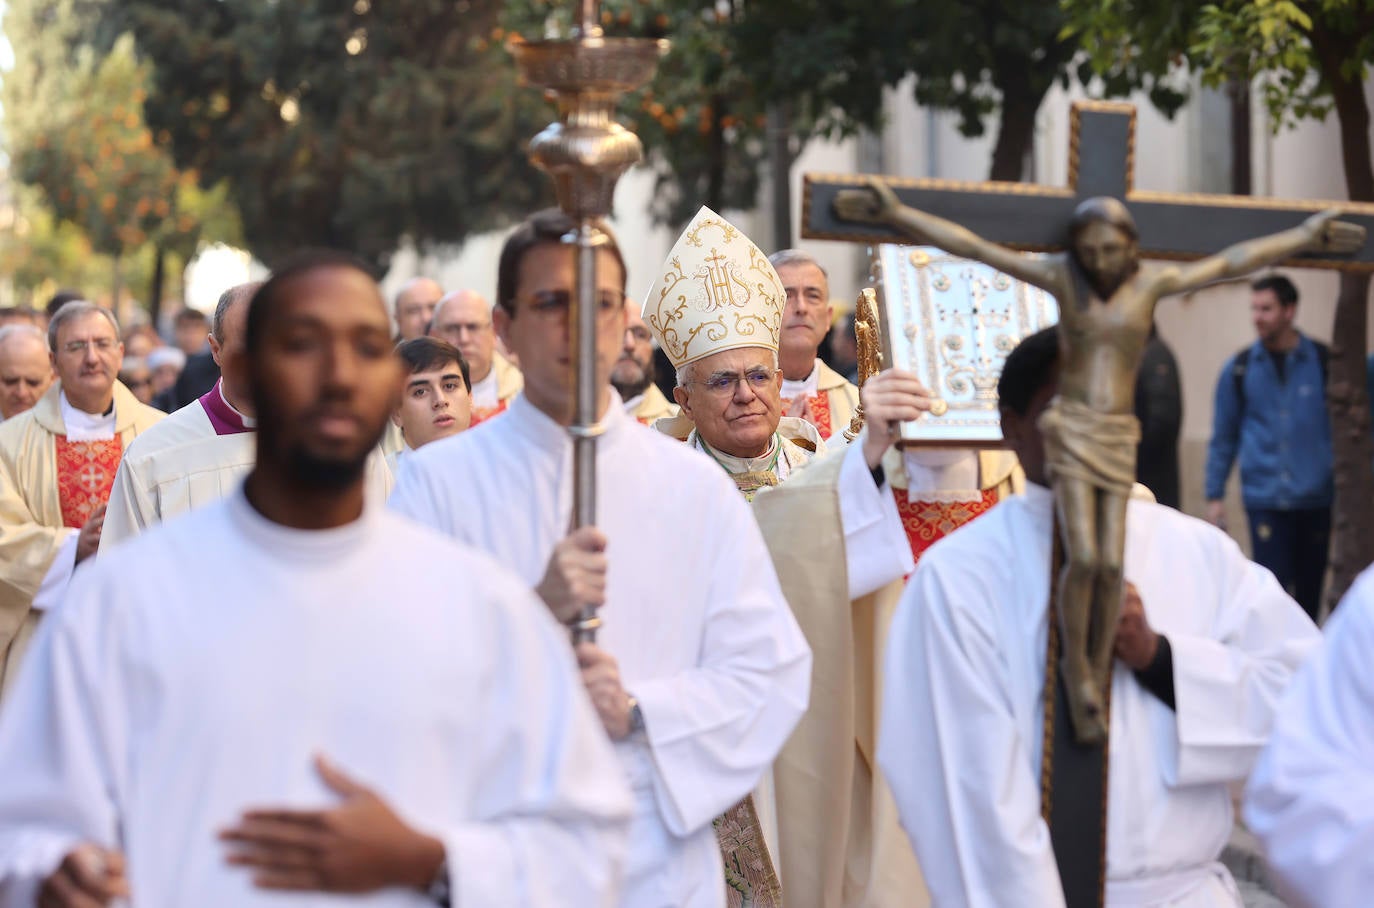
586	151
868	350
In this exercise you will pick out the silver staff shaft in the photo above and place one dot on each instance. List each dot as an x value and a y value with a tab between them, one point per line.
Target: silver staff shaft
582	330
586	151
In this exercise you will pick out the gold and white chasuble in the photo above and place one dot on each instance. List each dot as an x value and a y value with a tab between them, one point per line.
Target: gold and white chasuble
49	484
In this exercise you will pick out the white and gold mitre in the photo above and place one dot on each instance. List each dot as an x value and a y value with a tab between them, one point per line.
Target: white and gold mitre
717	292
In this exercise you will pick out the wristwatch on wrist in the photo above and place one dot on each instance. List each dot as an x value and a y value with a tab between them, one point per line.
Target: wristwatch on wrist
636	718
439	891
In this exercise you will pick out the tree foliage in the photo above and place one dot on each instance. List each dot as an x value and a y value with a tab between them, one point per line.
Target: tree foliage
75	131
826	63
700	119
976	58
346	125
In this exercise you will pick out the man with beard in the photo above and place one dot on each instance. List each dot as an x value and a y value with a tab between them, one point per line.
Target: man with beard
633	374
1270	413
210	669
57	466
200	453
463	318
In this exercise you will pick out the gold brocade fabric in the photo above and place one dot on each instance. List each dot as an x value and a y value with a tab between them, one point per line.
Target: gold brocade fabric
750	879
750	483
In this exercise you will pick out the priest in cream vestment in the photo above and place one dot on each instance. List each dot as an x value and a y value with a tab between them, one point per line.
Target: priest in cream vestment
835	537
810	388
57	464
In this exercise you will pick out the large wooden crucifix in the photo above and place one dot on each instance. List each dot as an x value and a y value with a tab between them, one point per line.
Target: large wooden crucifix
1102	154
1097	230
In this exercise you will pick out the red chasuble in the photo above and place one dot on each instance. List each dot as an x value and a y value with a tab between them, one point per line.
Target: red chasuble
820	413
482	414
85	476
927	522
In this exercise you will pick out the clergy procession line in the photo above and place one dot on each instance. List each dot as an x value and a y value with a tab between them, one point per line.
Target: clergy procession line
306	633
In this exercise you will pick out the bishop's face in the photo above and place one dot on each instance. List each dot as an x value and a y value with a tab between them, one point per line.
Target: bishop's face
1107	255
735	399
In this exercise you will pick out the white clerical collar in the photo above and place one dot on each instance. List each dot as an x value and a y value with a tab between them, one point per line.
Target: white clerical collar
83	426
806	387
772	460
485	392
944	475
547	433
633	403
248	421
289	543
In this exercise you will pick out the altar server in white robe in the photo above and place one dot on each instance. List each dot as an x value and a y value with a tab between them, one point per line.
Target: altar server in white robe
1311	796
161	719
700	671
1198	675
201	452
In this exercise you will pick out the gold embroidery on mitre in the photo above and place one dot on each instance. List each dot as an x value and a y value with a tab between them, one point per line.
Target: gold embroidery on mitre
717	291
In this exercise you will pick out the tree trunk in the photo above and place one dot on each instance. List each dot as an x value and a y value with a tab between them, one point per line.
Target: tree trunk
1242	181
1015	133
155	290
715	150
116	283
1352	519
780	160
1023	87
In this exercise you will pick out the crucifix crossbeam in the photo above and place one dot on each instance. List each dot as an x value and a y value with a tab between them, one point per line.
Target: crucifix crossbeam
1102	151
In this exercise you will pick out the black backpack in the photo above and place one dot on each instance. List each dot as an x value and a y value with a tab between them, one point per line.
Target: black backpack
1241	361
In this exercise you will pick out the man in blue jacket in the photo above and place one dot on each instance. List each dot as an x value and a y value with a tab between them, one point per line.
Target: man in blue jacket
1271	410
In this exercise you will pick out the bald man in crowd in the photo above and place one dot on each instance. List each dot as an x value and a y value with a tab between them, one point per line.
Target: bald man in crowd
463	318
415	307
25	368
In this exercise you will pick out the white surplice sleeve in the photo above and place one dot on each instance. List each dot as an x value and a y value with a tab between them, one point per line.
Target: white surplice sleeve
416	495
552	813
1311	797
60	730
129	507
952	751
54	585
714	729
875	545
1228	683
